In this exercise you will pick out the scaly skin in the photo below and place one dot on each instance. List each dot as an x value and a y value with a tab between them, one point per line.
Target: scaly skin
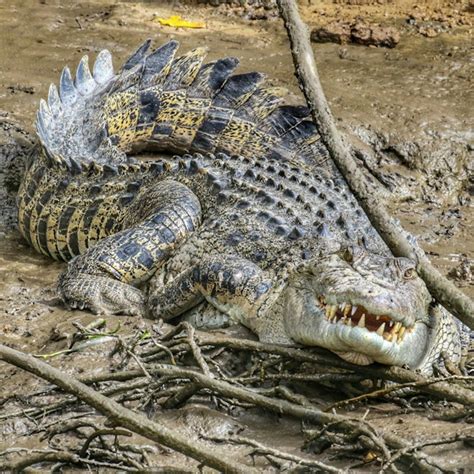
257	222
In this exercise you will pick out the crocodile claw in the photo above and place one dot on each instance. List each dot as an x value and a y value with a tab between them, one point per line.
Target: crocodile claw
101	295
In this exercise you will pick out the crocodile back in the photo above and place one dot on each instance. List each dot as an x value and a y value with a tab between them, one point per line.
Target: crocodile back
174	104
78	186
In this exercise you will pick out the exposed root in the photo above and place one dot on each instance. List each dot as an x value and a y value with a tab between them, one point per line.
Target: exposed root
204	370
397	239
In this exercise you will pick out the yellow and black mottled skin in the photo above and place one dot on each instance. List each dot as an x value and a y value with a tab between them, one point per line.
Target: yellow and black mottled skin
251	203
72	197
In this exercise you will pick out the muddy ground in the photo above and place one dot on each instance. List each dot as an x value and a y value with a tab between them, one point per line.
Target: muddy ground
408	108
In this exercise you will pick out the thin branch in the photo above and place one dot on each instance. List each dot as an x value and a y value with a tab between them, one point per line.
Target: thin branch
393	388
463	436
119	415
102	432
268	451
399	241
36	456
196	349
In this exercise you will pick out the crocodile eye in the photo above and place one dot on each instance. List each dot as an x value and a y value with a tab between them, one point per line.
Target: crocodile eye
347	255
409	274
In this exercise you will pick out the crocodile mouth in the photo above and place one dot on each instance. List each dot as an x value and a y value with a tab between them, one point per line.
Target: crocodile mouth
358	316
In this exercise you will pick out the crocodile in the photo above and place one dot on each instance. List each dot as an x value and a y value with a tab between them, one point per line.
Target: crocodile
176	184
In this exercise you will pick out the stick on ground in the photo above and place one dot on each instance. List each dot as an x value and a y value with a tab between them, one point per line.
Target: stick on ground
121	416
397	239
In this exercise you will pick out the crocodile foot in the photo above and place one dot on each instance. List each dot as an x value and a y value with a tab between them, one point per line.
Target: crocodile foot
101	295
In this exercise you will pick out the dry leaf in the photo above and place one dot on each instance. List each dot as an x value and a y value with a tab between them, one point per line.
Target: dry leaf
178	22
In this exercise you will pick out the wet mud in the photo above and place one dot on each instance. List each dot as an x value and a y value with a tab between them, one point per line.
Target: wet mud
407	109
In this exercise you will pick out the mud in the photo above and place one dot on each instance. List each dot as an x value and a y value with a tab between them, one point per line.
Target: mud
409	109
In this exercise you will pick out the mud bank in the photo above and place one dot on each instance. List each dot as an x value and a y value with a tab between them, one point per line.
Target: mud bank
408	108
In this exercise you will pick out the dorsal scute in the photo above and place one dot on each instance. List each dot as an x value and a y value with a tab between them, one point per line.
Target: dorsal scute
54	102
138	56
170	103
158	64
237	89
211	77
84	81
103	69
67	89
184	69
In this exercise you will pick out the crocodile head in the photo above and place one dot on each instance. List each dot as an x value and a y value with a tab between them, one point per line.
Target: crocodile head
364	307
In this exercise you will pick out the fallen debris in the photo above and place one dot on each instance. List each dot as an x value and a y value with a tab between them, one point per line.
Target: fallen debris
358	32
185	404
177	21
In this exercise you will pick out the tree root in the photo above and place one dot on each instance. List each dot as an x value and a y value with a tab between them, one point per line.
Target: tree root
118	414
397	239
200	372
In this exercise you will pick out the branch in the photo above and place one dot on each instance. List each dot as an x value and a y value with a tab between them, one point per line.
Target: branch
119	415
397	239
354	428
263	450
322	358
319	357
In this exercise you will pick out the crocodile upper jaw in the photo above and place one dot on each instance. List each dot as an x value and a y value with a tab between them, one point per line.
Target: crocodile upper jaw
359	337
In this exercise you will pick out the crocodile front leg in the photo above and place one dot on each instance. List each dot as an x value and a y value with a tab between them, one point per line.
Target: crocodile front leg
232	284
102	278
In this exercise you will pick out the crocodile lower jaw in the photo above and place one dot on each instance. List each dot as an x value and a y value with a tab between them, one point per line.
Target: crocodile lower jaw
355	357
358	316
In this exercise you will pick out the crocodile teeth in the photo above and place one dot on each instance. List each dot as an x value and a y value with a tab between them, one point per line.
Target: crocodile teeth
377	317
401	333
361	323
347	310
381	329
353	310
331	312
397	327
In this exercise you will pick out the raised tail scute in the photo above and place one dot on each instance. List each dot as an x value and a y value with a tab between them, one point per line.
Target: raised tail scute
84	81
54	102
158	101
158	64
138	56
67	89
103	69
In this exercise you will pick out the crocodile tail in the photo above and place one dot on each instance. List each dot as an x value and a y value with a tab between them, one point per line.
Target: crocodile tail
159	101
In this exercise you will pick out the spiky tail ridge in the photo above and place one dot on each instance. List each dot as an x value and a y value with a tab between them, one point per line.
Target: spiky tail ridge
177	105
72	193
